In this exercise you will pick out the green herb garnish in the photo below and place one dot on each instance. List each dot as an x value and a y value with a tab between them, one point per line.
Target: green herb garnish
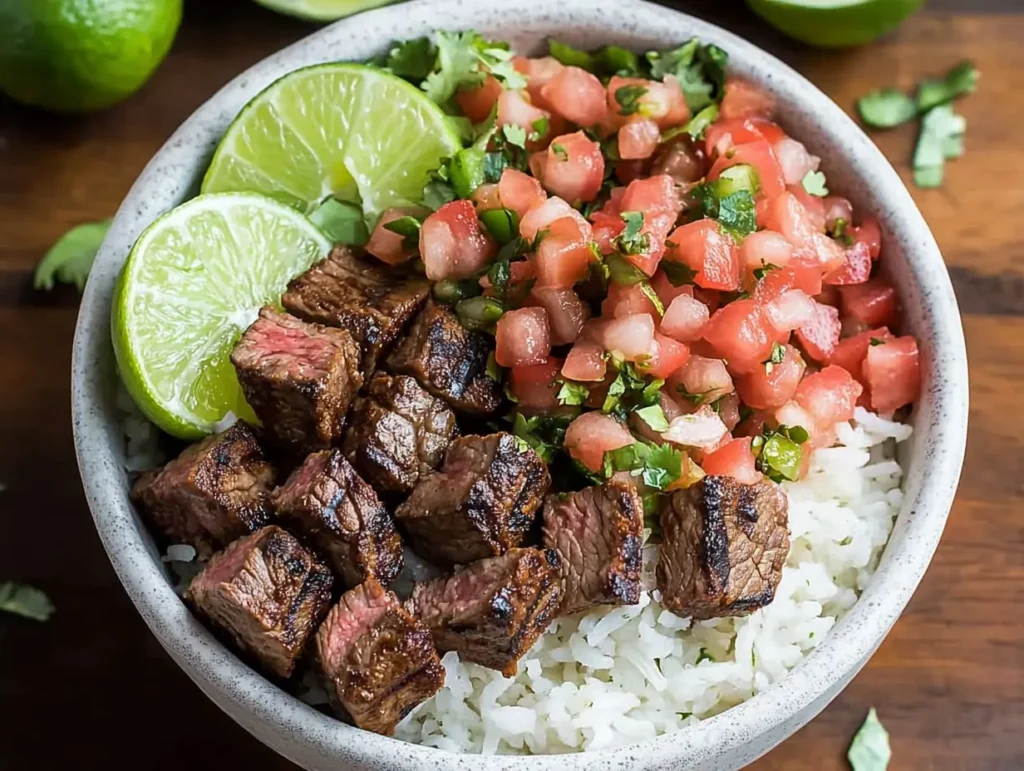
941	138
573	394
628	98
25	601
502	224
70	259
870	750
700	70
814	183
886	108
959	80
408	227
342	222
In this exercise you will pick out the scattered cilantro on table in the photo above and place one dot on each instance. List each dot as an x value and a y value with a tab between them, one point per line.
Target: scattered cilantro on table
70	259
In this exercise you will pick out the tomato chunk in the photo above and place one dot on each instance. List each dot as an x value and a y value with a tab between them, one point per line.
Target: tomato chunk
869	233
703	429
522	337
738	332
768	388
666	357
453	243
586	362
703	248
631	336
576	95
893	373
701	380
794	160
572	167
873	303
387	246
625	301
546	212
856	269
638	140
733	459
820	335
515	109
538	72
593	434
828	396
477	103
519	192
759	155
632	99
744	100
535	386
725	134
566	312
851	352
563	256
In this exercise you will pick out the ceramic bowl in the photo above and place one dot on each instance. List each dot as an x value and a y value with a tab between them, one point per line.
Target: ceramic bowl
854	165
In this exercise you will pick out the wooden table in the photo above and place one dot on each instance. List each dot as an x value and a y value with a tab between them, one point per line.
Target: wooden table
92	688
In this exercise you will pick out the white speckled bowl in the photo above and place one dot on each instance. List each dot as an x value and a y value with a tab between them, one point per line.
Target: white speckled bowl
855	167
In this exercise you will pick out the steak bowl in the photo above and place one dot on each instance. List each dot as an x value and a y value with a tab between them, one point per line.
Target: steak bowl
931	458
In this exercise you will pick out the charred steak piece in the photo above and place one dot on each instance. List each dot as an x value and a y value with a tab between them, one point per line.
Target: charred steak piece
372	301
328	503
214	492
493	611
299	378
480	504
598	532
268	592
723	547
398	433
378	661
449	360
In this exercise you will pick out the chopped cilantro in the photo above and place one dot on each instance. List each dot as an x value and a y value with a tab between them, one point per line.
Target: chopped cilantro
629	391
573	394
885	108
628	98
840	232
704	656
544	434
622	271
737	215
814	183
439	189
408	227
650	294
410	59
959	80
764	270
560	152
631	241
540	128
25	601
653	416
699	123
870	750
494	164
677	273
514	135
616	60
657	465
941	130
876	341
699	69
70	259
503	224
777	357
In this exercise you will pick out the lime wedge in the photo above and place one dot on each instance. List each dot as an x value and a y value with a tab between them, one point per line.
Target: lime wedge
322	10
834	23
194	280
343	130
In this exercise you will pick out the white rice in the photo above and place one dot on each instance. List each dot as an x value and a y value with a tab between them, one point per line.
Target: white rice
621	675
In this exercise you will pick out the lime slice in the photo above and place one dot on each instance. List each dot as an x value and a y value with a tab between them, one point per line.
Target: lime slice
343	130
322	10
835	23
194	280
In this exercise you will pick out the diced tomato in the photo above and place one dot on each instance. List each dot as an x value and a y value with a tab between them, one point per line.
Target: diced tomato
387	246
851	351
680	160
666	290
576	95
869	233
477	103
630	171
703	428
769	387
453	243
702	247
535	386
593	434
638	140
733	459
729	410
666	357
586	362
893	373
653	195
789	311
486	197
520	272
856	269
794	160
763	248
538	72
829	396
744	100
656	227
572	167
704	378
514	109
739	333
566	312
625	300
786	215
522	337
837	208
759	155
685	318
820	335
631	336
873	303
724	134
519	192
563	257
793	276
814	205
547	211
661	102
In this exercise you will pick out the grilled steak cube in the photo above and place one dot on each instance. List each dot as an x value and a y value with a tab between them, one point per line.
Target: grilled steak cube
268	592
598	532
372	301
378	661
449	360
398	433
328	503
493	611
480	504
214	492
299	378
723	548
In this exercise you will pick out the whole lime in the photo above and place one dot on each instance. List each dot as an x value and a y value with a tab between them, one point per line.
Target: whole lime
834	23
82	55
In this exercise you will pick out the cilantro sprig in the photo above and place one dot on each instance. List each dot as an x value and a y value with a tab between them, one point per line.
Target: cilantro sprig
699	69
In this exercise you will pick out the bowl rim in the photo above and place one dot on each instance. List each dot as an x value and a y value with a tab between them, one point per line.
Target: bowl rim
305	735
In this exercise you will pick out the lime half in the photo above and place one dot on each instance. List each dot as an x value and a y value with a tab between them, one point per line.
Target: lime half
194	280
835	23
322	10
343	130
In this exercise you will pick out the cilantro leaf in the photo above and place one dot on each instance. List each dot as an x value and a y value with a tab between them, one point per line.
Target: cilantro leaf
778	355
650	294
631	241
463	60
411	59
654	416
870	750
677	273
886	108
573	394
959	80
560	152
408	227
25	601
737	214
764	270
814	183
876	341
663	466
70	259
699	69
342	222
544	434
941	130
628	98
514	135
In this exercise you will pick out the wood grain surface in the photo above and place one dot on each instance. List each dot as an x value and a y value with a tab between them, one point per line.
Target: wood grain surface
92	688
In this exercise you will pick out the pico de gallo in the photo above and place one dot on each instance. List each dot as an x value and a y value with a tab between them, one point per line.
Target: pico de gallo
672	288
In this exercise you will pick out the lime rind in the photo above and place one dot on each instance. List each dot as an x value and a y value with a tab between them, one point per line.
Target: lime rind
344	130
322	10
195	279
834	23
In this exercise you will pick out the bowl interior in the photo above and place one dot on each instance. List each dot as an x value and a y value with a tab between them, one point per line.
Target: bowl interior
854	167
